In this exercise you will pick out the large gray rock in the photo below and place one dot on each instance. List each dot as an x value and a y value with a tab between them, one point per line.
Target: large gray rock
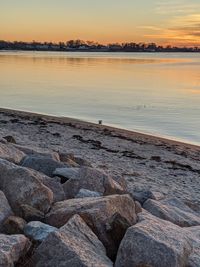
154	242
21	186
75	245
141	195
108	217
11	153
93	180
87	193
5	209
173	210
38	231
12	248
41	152
66	173
42	164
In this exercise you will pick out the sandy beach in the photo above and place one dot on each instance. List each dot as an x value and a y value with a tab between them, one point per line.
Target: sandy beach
146	162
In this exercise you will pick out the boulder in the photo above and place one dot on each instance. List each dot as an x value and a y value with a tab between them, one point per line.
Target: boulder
14	225
82	162
87	193
138	207
93	180
22	186
98	213
38	231
55	186
154	242
11	153
66	157
31	214
5	209
141	195
173	210
66	173
74	245
39	152
12	248
42	164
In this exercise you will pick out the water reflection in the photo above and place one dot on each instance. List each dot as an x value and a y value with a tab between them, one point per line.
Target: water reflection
158	93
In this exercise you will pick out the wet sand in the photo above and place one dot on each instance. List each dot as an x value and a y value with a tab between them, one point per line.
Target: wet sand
147	162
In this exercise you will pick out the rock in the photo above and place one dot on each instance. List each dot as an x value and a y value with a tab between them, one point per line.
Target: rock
66	173
173	210
22	186
14	225
82	162
39	152
38	231
154	242
5	209
52	183
10	139
55	186
87	193
69	159
93	180
98	213
31	214
75	245
141	195
138	207
194	235
64	156
42	164
10	153
12	248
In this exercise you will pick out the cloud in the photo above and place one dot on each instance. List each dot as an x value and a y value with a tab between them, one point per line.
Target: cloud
152	28
175	7
181	26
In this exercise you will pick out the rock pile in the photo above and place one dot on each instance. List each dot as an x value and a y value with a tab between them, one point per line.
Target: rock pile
57	210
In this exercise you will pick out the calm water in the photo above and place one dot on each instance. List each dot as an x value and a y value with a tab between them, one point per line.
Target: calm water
153	93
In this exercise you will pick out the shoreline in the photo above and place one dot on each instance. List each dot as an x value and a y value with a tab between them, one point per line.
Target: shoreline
146	162
126	132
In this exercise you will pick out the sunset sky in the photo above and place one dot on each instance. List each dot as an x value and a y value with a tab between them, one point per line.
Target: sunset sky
175	22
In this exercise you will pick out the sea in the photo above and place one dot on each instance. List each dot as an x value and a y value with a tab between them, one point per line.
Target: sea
153	93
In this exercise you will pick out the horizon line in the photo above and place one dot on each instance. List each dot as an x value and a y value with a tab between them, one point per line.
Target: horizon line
102	43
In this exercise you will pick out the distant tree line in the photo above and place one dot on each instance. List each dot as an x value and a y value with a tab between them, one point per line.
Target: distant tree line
79	45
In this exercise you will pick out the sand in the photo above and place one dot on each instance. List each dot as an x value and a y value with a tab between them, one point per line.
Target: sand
147	162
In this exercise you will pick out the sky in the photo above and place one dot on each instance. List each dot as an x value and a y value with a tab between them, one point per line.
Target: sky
166	22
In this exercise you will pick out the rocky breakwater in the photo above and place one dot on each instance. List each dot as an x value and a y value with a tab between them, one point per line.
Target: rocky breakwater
57	210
